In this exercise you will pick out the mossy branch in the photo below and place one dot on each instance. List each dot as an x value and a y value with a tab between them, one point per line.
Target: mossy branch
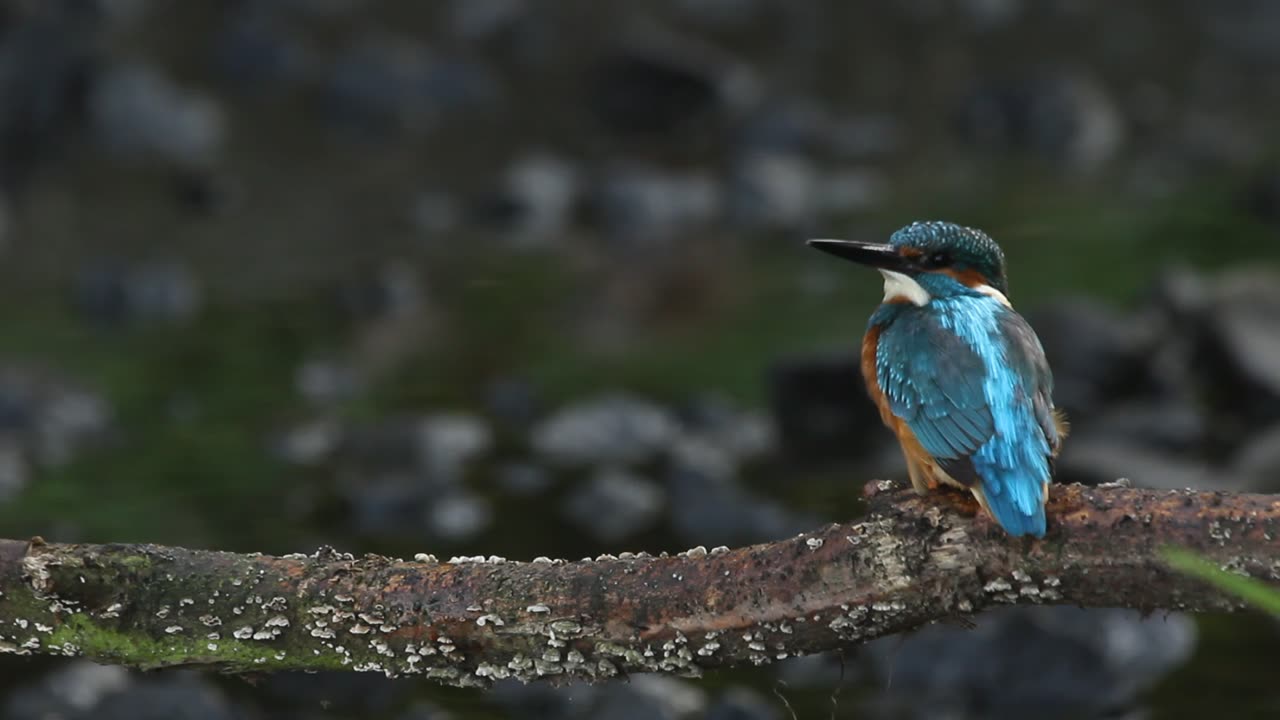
471	620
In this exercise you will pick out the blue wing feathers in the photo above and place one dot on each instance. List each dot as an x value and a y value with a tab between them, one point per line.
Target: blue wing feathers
969	378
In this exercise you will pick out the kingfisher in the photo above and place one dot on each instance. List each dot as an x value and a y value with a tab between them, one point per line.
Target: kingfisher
957	374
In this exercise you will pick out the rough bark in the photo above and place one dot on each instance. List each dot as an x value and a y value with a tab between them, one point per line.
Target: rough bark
467	621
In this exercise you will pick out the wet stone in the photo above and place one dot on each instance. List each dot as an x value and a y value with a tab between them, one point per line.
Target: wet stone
14	472
775	190
1098	355
538	195
709	510
512	402
349	693
393	290
184	696
821	409
648	697
255	52
1053	662
1258	461
615	504
137	112
543	701
1067	118
71	691
640	205
524	479
655	88
1093	460
742	703
609	429
449	442
113	293
1239	352
459	516
325	381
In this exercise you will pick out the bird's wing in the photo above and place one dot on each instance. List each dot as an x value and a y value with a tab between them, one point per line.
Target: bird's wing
1026	356
933	380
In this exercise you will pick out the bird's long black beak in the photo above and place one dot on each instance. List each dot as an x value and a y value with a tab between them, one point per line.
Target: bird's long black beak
877	255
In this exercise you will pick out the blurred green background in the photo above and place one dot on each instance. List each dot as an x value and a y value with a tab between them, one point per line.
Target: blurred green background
278	273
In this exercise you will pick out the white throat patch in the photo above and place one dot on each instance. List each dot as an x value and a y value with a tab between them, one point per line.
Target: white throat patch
897	285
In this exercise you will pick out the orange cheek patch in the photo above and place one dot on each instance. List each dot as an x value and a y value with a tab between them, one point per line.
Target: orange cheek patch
967	277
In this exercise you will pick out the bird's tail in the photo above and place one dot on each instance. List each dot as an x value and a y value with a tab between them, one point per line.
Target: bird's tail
1016	514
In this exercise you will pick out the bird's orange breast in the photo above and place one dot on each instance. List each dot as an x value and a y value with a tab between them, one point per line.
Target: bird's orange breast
911	448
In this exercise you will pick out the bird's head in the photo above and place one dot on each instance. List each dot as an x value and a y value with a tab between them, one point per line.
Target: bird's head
924	249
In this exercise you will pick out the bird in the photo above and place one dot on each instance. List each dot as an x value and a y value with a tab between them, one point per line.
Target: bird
958	376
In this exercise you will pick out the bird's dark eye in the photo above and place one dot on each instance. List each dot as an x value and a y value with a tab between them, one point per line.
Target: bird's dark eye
938	259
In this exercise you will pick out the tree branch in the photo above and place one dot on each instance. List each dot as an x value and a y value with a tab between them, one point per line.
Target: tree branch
470	620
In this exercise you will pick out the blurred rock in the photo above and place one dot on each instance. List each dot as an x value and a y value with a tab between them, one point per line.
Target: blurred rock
791	125
69	420
744	435
181	696
641	206
1262	195
775	190
822	410
863	137
1238	354
256	52
851	190
1258	461
309	443
1050	662
341	694
1245	29
138	113
1093	460
375	87
1068	118
385	504
424	711
650	697
614	505
14	472
393	290
449	441
46	62
383	84
666	85
1177	428
478	19
52	420
609	429
711	510
824	671
538	195
1098	356
512	402
159	291
544	701
435	212
721	14
459	516
742	703
71	691
523	479
325	381
991	14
